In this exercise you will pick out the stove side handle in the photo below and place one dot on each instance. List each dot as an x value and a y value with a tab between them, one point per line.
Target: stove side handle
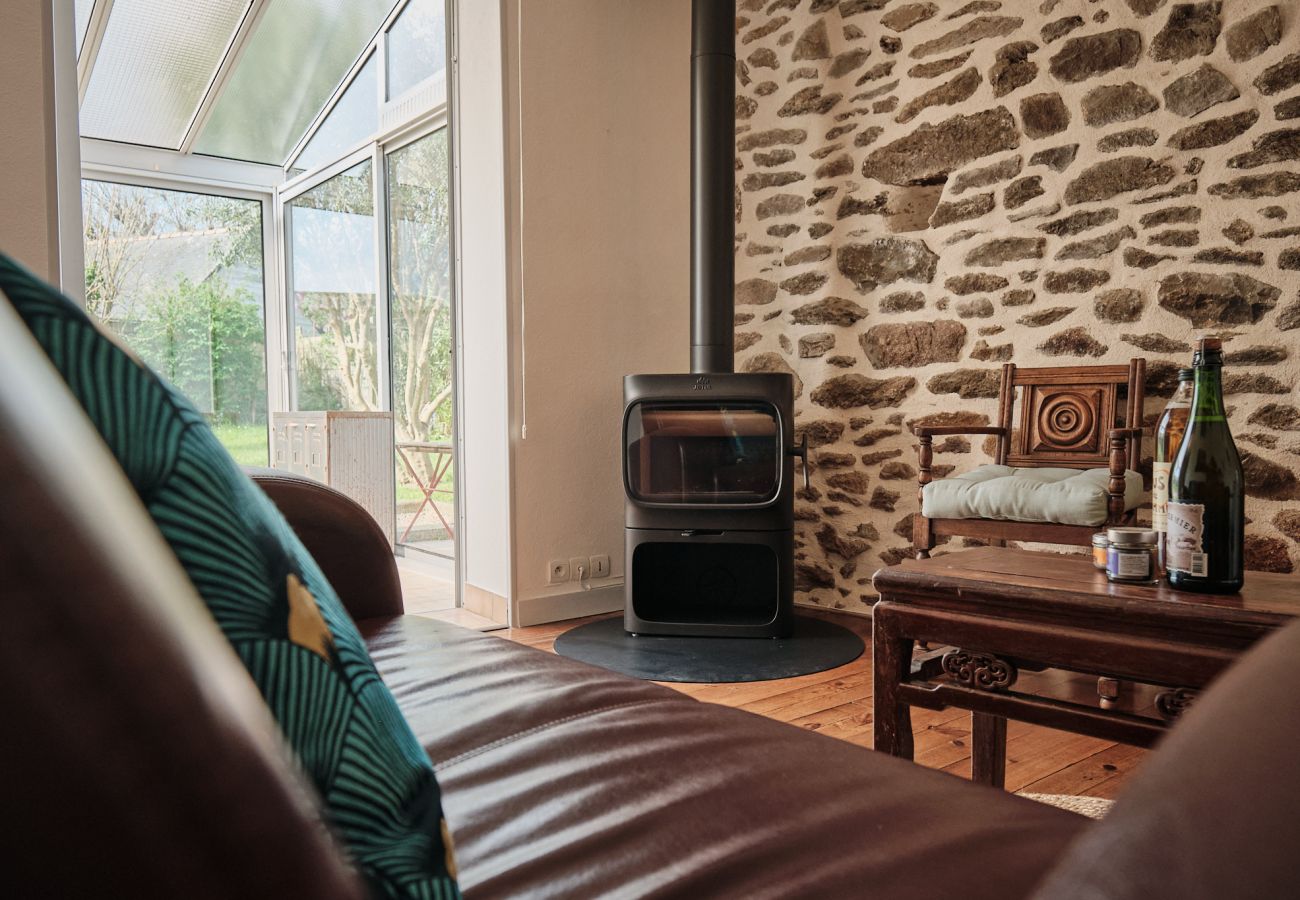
802	452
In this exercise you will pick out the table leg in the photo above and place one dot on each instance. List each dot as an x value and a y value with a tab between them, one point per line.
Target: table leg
989	749
892	658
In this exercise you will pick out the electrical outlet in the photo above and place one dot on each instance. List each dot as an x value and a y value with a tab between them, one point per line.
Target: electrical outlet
600	566
558	573
579	568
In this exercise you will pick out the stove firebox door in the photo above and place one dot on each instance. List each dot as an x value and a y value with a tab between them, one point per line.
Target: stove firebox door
703	454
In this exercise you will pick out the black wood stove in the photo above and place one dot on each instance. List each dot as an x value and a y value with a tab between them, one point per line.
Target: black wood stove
708	464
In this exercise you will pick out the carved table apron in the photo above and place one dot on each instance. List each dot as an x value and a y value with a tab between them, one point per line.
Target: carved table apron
998	611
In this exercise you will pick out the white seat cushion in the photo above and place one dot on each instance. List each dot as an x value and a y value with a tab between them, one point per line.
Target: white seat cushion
1061	496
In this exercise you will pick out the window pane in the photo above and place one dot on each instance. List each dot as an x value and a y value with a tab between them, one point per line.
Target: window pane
154	66
417	45
332	242
354	118
290	67
420	303
179	277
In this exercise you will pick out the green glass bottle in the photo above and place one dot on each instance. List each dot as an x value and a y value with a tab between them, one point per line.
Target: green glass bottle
1206	514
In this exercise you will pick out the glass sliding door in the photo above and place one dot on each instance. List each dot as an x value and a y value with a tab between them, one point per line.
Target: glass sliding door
331	246
179	277
421	342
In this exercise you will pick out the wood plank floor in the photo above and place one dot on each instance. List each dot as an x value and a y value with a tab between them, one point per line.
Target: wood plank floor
838	703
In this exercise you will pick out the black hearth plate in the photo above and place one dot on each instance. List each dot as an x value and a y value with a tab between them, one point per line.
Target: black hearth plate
815	646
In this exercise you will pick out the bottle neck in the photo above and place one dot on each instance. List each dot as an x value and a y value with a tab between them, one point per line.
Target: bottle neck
1207	399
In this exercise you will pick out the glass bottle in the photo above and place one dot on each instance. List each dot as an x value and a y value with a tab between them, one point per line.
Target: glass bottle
1206	513
1169	436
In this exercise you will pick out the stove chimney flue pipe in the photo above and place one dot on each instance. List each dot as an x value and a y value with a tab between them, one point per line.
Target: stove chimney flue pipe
713	185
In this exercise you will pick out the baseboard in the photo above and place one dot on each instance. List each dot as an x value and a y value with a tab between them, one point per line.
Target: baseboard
573	605
863	613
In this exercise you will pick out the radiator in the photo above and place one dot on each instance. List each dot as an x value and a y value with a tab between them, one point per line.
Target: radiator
352	452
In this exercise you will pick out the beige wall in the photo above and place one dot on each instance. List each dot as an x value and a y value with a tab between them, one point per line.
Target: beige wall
28	188
601	152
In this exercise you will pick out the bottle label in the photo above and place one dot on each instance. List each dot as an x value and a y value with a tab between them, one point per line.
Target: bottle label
1159	494
1184	545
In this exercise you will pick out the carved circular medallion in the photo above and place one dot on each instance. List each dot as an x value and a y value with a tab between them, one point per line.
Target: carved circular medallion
1065	420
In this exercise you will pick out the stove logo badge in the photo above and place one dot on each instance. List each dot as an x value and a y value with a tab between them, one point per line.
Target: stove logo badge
703	384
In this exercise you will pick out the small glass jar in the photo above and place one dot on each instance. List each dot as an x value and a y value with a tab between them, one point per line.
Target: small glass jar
1131	557
1100	550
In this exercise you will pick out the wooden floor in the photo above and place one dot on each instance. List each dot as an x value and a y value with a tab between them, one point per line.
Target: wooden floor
838	703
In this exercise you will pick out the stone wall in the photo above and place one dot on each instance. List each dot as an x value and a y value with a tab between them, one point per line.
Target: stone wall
928	189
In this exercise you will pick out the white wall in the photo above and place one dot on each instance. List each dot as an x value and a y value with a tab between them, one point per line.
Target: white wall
36	144
484	352
601	149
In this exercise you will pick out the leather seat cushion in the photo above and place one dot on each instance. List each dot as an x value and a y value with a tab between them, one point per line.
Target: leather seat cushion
1061	496
563	780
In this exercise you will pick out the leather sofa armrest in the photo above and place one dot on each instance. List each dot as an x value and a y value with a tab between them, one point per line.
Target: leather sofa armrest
341	536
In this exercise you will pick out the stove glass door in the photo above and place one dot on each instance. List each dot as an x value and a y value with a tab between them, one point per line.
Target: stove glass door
726	454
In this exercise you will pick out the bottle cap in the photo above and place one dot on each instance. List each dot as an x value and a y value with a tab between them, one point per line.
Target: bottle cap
1186	374
1210	344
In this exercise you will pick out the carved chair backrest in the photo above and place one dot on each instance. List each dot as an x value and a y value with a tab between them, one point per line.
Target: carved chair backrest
1066	412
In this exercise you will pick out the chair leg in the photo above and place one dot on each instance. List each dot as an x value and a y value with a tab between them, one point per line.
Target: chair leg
922	536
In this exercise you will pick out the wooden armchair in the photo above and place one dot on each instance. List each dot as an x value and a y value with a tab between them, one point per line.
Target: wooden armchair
1074	417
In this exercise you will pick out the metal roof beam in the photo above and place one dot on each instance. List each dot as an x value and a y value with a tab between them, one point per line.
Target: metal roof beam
221	78
90	45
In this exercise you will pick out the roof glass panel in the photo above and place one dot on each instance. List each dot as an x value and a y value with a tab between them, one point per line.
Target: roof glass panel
289	68
82	10
417	45
154	66
354	118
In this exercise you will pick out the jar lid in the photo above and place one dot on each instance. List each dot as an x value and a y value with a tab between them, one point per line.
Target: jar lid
1132	537
1101	539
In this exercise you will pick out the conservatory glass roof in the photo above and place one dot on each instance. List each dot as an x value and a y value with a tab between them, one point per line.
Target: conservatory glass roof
242	79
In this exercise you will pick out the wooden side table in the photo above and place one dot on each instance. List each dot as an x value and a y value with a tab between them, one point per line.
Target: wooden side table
1000	611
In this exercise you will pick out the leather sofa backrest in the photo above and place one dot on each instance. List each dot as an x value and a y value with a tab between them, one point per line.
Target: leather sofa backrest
138	759
1215	811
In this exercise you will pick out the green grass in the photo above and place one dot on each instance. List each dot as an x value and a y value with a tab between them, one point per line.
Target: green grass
246	443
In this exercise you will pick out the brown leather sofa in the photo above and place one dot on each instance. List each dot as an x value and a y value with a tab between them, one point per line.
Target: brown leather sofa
138	761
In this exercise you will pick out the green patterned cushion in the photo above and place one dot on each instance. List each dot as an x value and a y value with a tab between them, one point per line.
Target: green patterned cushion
269	597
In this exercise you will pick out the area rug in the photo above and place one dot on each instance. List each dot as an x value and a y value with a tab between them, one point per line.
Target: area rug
815	645
1092	807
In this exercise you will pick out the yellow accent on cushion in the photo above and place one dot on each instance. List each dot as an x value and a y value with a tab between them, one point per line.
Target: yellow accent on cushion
307	626
452	869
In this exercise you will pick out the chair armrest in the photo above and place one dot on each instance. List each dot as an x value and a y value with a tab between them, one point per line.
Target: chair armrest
942	430
925	449
347	544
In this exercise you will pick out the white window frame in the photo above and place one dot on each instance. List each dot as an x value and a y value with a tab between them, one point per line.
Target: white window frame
413	115
147	167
